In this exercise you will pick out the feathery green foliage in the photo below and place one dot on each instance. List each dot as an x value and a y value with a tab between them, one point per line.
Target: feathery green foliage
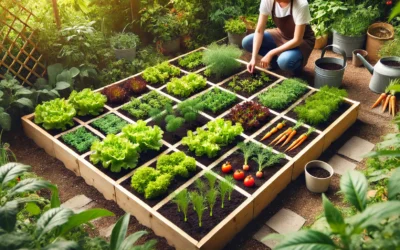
211	178
248	149
221	59
182	200
216	99
266	158
199	204
201	186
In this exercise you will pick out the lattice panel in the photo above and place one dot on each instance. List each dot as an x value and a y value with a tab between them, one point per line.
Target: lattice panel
18	52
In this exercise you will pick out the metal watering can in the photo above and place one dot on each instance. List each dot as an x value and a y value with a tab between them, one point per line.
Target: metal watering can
385	70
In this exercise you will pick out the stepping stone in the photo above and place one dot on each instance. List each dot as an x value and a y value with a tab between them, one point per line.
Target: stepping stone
264	232
86	207
106	232
77	202
341	165
356	148
286	221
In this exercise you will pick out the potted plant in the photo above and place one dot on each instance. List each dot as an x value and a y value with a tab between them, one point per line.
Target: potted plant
124	45
321	36
236	30
318	176
377	35
349	32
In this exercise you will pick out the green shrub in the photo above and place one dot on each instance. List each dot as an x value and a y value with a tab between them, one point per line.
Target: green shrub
80	139
390	48
282	95
55	114
87	102
160	73
109	124
356	23
235	26
148	138
124	41
221	59
186	85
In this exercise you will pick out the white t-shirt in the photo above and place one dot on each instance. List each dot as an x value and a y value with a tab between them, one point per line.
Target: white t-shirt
301	11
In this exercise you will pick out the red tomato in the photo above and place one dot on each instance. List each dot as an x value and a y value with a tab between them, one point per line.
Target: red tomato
389	2
259	174
246	167
238	175
226	167
249	181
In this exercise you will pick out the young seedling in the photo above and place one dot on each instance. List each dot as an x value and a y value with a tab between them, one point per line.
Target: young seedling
198	202
248	149
211	199
211	179
201	187
225	187
266	158
182	200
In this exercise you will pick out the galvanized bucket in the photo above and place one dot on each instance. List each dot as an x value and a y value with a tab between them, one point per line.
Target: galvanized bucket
347	43
331	77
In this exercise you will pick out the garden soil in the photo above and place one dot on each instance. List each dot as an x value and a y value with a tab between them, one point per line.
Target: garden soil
371	125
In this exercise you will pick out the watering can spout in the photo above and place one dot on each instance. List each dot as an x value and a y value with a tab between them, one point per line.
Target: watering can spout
366	64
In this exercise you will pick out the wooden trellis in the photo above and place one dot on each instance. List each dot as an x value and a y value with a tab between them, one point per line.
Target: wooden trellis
19	54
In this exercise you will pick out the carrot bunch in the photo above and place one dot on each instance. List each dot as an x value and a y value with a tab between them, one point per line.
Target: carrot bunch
274	130
388	99
287	135
300	140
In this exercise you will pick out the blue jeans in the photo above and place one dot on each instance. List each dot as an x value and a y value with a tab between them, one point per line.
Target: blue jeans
290	60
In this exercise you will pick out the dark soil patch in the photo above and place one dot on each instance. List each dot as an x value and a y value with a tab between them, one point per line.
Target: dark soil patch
204	159
174	137
335	115
380	32
55	132
184	98
394	64
215	79
252	130
318	172
330	66
191	226
300	131
73	148
236	159
175	184
256	75
87	118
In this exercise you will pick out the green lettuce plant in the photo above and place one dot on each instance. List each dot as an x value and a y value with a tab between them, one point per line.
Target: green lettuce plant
142	177
186	85
115	153
55	114
148	138
235	26
160	73
176	164
158	187
87	102
191	61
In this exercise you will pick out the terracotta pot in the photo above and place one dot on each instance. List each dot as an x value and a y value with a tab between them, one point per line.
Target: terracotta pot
315	184
357	61
377	35
321	42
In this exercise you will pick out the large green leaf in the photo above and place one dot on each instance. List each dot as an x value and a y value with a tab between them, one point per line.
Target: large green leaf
32	208
53	71
394	185
374	215
84	217
5	121
131	239
62	245
29	185
53	218
42	84
23	91
149	245
65	76
55	198
74	72
395	12
119	232
14	241
333	216
354	186
8	215
11	171
306	240
24	103
62	86
387	153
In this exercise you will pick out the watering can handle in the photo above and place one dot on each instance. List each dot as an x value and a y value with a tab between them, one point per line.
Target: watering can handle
337	47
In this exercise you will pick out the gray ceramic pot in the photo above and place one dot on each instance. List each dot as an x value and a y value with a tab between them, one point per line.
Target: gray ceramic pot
315	184
348	43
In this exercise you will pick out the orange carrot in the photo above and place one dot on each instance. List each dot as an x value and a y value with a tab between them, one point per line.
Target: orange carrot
393	104
386	103
300	140
379	101
293	133
281	125
282	139
281	135
274	130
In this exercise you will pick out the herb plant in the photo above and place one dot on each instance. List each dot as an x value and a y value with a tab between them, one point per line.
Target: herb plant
190	109
55	114
265	158
87	102
160	73
216	99
186	85
356	23
80	139
124	41
109	124
250	85
135	85
209	142
199	204
172	121
115	152
201	186
248	150
320	106
182	200
140	108
211	178
235	26
390	48
282	95
211	197
115	94
221	60
191	61
250	114
148	138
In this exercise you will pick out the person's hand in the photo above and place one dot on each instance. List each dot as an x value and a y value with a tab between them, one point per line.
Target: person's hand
251	65
266	60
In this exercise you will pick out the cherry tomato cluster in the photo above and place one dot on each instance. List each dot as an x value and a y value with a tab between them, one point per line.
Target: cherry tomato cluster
389	2
239	174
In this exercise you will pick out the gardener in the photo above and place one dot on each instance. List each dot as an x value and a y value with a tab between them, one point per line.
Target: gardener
290	44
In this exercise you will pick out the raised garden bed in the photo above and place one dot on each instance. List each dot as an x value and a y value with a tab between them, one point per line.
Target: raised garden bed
161	214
